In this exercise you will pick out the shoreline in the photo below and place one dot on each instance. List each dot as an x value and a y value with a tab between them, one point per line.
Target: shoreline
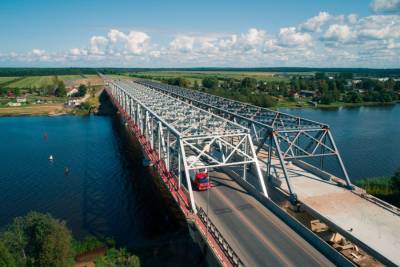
337	106
57	112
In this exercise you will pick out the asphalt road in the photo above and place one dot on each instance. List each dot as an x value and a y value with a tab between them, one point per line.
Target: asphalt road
254	232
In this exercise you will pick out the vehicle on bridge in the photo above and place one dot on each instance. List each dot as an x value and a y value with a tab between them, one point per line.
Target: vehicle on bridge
199	176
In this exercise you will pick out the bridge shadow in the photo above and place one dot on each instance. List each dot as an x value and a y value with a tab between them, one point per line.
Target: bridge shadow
143	219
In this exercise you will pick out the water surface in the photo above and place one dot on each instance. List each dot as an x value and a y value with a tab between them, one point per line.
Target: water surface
368	137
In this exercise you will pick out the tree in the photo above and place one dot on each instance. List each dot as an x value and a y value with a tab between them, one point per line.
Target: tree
38	240
210	82
196	85
115	257
60	89
395	181
182	82
249	83
320	75
6	258
82	89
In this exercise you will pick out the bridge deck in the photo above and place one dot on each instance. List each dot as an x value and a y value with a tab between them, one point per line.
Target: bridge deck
254	232
375	226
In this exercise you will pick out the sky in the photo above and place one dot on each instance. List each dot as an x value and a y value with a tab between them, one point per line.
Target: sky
206	33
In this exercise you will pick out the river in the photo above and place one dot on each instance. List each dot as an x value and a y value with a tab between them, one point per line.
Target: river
367	137
107	192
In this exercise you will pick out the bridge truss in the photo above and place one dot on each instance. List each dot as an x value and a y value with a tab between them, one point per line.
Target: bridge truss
286	137
176	130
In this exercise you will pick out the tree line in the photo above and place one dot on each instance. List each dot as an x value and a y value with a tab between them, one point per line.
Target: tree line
37	240
341	87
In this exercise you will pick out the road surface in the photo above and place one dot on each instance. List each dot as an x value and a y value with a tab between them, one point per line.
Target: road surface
255	233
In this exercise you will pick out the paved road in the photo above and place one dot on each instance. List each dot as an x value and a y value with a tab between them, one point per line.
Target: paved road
254	232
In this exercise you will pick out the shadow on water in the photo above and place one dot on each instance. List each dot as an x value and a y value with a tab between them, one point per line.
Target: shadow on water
157	231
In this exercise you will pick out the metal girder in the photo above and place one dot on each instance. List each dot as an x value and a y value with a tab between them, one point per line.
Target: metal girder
290	137
178	130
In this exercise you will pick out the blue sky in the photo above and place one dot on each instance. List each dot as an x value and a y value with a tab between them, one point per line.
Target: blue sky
200	33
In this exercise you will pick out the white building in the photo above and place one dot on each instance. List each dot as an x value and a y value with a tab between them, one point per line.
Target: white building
21	99
12	104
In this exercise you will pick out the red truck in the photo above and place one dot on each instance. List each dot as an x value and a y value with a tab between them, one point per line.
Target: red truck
199	176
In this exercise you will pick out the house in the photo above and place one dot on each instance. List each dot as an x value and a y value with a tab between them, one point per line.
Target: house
385	79
72	92
308	93
72	103
21	99
12	104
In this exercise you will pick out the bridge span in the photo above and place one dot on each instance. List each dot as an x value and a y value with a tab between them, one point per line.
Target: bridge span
239	230
296	155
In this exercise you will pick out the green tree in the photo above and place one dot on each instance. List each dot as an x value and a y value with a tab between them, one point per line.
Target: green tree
395	181
249	83
196	85
115	257
6	258
82	89
60	90
320	75
38	240
210	82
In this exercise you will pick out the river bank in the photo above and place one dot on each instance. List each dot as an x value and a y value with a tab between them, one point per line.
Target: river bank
335	105
384	188
89	104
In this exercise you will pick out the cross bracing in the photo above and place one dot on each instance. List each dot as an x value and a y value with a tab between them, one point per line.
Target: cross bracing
284	136
179	131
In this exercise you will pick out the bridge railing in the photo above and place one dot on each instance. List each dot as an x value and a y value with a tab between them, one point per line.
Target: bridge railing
227	249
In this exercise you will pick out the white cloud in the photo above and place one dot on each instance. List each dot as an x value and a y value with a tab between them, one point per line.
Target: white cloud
38	52
137	42
98	45
291	37
339	33
352	18
182	43
314	24
323	40
78	52
385	6
379	27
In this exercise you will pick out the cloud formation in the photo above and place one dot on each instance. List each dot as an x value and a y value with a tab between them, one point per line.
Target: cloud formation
385	6
344	40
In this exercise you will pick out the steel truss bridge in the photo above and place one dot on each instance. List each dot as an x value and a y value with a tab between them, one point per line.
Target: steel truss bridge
287	137
241	145
178	130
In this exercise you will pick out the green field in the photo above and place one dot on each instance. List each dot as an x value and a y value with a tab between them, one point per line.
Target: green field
6	79
70	77
33	81
199	75
41	81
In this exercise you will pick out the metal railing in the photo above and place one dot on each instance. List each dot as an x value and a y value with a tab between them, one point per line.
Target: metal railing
226	248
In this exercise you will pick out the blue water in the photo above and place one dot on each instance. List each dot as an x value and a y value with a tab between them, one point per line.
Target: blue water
367	137
102	195
107	192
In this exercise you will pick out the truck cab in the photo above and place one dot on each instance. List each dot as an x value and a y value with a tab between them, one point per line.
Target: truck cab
199	176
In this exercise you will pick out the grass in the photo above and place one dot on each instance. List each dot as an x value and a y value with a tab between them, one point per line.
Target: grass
32	81
381	187
45	109
6	79
199	75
